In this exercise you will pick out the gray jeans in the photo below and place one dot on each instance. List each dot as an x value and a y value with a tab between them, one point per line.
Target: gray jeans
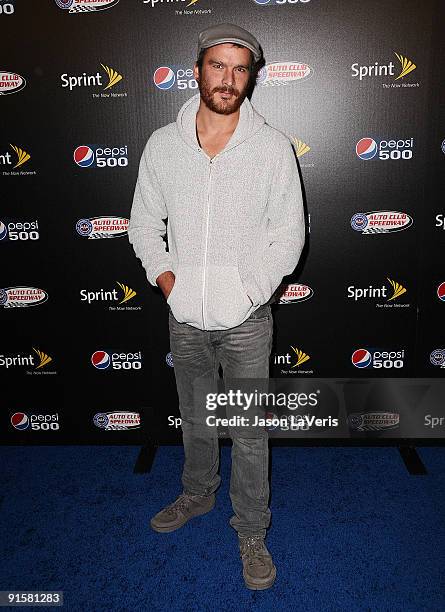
243	352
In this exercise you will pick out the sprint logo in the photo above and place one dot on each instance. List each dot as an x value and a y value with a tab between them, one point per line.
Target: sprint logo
113	296
22	156
35	364
301	357
9	162
376	293
366	71
44	358
301	148
94	80
291	363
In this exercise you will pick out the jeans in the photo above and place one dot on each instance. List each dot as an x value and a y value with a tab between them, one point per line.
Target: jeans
243	352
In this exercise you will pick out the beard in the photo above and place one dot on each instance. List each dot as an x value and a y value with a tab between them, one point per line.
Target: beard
222	107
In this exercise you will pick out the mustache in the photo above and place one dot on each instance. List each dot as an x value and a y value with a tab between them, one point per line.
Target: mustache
230	90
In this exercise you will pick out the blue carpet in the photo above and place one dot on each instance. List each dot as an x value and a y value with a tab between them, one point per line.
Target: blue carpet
351	530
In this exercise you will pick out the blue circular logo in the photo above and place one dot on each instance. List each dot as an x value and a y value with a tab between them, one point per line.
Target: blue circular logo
359	221
84	227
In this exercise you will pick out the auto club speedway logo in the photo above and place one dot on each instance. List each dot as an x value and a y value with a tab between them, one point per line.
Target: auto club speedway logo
373	421
85	6
117	420
293	293
28	360
437	357
283	73
11	82
95	80
102	227
377	70
380	222
19	297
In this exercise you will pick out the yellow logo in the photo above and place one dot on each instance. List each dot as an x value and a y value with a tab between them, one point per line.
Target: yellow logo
397	288
191	2
44	358
407	65
301	357
300	147
128	292
22	156
113	76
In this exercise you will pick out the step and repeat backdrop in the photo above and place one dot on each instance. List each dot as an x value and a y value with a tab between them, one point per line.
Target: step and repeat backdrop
358	88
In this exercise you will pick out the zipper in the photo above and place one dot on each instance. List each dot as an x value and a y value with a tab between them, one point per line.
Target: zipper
205	246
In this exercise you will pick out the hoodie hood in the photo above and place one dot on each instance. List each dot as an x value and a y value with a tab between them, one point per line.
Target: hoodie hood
250	122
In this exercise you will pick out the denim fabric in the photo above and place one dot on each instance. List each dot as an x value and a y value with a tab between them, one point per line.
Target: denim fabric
243	352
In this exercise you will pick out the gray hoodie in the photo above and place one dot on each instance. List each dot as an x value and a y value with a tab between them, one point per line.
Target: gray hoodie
235	222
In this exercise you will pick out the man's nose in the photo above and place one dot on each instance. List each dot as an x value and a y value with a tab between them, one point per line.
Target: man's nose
228	77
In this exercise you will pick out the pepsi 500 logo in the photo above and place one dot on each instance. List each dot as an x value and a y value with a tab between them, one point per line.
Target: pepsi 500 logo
104	360
7	8
38	422
364	358
368	148
96	156
278	2
165	77
19	230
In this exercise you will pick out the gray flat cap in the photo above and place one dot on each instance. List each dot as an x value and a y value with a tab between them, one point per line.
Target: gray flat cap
228	33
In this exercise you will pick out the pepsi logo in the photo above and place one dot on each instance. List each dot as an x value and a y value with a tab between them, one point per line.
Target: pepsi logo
19	420
100	360
164	77
361	358
3	230
441	292
366	148
84	156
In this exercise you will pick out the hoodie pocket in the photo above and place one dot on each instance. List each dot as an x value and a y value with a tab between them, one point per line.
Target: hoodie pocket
227	303
186	296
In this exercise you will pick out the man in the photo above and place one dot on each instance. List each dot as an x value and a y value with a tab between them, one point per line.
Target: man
229	186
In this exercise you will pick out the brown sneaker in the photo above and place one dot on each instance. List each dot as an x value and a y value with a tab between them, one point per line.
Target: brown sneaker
175	515
258	569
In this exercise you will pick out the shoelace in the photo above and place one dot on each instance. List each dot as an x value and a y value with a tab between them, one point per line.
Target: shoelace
251	546
180	504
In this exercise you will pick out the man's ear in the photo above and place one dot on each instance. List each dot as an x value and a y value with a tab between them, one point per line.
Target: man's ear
196	72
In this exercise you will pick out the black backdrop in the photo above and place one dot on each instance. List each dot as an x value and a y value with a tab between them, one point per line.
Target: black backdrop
331	80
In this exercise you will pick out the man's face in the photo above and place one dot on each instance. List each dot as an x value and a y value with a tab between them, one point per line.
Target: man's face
224	79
